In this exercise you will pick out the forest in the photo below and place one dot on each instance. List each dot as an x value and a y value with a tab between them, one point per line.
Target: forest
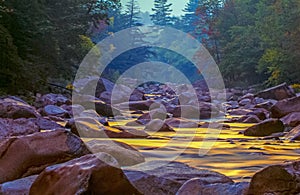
42	42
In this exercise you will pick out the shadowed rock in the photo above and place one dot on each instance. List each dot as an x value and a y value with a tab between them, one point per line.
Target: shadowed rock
284	107
278	92
265	128
27	155
277	179
89	174
21	126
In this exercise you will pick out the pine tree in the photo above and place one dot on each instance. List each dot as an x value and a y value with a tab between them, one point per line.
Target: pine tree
190	18
133	11
162	13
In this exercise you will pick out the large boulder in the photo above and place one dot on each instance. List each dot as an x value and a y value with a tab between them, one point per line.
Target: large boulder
265	128
278	92
284	107
292	119
197	186
19	186
14	108
52	110
28	155
125	155
21	126
162	177
277	179
89	174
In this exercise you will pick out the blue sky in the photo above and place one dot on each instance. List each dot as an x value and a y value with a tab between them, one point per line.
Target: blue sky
147	5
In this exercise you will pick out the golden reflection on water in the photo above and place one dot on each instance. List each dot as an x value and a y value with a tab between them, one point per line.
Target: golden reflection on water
232	154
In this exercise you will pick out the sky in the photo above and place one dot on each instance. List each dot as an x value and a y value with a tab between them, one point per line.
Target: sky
147	5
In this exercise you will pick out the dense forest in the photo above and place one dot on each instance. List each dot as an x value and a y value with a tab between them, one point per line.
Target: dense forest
43	42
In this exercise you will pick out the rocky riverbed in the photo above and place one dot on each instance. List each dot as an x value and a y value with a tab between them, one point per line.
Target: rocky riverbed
105	144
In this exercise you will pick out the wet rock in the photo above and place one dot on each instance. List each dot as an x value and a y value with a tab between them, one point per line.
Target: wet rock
284	107
294	134
52	99
277	179
251	119
197	186
126	156
14	108
21	126
158	125
162	177
51	110
92	128
20	186
278	92
102	108
265	128
28	155
47	124
94	175
239	111
292	119
181	123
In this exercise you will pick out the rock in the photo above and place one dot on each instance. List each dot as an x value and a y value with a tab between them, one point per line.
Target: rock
12	108
92	128
28	155
124	156
186	98
265	128
239	111
163	177
137	95
196	186
265	105
294	134
75	108
158	125
251	119
277	179
102	108
214	125
52	99
284	107
261	113
51	110
279	92
89	174
20	186
245	102
292	119
95	115
21	126
181	123
205	111
136	105
47	124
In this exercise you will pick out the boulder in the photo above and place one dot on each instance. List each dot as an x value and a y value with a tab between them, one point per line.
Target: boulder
125	155
265	128
205	111
197	186
163	177
28	155
279	92
158	125
276	179
102	108
181	123
52	110
89	174
239	111
14	108
52	99
136	105
21	126
292	119
19	186
251	119
45	123
294	134
284	107
137	95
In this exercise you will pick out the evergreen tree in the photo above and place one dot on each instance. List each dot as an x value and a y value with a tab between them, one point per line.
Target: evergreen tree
190	18
133	11
162	13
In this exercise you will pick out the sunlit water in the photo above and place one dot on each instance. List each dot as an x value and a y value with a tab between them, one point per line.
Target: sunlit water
232	154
